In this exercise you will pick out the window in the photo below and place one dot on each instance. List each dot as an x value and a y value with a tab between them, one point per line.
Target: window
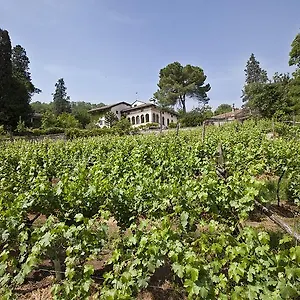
101	123
153	118
168	122
163	120
117	112
142	119
133	120
128	119
147	118
157	118
137	120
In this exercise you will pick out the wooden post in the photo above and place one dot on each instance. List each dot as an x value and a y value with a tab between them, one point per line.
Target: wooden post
57	268
160	119
203	131
294	120
278	221
177	128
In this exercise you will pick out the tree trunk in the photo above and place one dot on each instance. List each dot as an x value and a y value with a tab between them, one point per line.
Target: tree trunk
57	268
177	128
182	99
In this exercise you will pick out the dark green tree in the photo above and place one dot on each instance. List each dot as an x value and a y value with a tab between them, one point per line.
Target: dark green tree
254	74
271	99
294	86
295	52
61	101
80	111
41	107
21	70
5	76
22	78
178	83
223	108
16	87
196	116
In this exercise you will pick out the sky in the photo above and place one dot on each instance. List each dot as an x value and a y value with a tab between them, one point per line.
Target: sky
109	50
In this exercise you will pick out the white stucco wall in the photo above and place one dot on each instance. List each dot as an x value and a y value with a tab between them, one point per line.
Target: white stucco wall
116	110
140	117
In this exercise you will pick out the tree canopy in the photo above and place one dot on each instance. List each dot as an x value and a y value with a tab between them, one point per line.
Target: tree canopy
61	100
16	87
178	83
223	108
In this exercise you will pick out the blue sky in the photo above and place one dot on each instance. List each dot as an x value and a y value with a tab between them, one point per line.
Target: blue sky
107	50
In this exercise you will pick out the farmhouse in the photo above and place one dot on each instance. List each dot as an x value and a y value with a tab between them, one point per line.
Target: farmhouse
234	115
138	113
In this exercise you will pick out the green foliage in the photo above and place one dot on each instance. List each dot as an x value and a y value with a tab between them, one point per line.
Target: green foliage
172	207
61	101
253	72
223	108
123	126
271	99
5	75
16	88
295	52
172	125
48	120
178	83
66	120
110	119
80	112
39	107
21	126
196	116
254	75
2	130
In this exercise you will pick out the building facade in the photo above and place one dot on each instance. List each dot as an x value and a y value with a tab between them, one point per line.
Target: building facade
138	113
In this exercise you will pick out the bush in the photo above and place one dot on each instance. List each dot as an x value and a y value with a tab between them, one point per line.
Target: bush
48	120
123	126
66	120
21	126
2	130
172	125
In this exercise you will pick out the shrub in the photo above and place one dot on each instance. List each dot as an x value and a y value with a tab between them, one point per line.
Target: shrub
2	130
66	120
172	125
123	126
21	126
48	120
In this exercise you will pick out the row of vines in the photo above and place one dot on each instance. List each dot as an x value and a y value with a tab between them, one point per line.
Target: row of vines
179	202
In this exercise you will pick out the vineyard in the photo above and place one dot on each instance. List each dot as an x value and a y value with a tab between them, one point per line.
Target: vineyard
140	205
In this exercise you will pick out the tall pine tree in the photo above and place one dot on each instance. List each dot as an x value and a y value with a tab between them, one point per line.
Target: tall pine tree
16	88
21	71
254	74
61	101
294	86
5	75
